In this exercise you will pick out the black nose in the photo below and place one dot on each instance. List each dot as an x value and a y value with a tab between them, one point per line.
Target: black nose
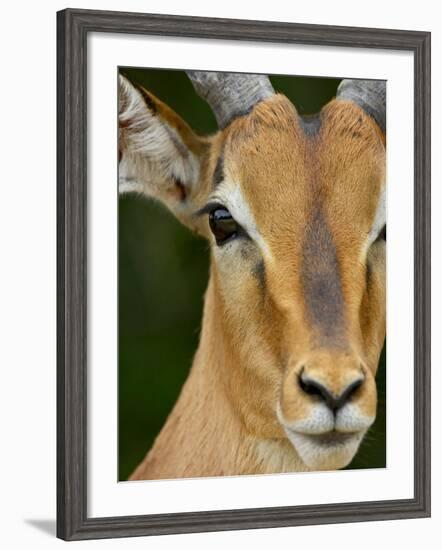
314	387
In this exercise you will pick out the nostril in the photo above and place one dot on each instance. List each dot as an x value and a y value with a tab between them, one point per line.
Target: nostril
310	386
333	401
351	389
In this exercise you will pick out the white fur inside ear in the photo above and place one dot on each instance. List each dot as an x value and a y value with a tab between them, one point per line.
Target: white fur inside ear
127	182
152	145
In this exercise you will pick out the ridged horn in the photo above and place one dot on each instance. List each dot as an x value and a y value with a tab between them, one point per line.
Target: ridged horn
369	94
230	94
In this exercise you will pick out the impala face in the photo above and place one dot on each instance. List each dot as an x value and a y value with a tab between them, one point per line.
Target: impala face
297	221
294	212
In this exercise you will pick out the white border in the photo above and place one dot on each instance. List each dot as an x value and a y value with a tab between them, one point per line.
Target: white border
106	497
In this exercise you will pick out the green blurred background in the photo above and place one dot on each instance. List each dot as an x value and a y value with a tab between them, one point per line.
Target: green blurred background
163	272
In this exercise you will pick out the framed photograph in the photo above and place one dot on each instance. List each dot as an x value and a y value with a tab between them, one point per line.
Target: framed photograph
226	289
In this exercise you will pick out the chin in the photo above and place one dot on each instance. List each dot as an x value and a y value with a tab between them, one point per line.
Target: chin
329	451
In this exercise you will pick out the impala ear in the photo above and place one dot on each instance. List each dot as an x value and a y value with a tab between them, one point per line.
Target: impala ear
159	154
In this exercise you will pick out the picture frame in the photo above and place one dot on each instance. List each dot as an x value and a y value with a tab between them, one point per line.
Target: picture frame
73	28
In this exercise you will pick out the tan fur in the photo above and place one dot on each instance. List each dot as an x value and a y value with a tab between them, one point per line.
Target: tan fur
255	340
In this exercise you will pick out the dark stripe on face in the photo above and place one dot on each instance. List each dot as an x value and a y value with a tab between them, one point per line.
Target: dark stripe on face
218	174
259	271
311	124
322	282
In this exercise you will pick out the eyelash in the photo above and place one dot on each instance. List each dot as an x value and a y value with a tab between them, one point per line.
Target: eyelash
209	208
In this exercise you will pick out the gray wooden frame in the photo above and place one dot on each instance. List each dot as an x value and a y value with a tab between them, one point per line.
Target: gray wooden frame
73	27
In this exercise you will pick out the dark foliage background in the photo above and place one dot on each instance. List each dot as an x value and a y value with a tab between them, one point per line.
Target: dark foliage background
163	271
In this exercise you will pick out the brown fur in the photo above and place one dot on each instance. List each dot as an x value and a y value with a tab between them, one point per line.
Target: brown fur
258	327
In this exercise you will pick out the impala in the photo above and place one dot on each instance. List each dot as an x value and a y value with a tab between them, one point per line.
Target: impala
283	379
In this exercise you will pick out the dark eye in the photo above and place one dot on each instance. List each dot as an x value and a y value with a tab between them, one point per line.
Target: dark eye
223	226
383	234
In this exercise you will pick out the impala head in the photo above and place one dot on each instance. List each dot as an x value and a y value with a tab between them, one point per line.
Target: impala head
294	210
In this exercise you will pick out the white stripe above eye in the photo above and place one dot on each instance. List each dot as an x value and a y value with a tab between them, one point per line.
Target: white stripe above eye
229	194
379	220
380	217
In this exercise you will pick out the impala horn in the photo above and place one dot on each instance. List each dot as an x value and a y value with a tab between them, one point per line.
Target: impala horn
230	94
368	94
